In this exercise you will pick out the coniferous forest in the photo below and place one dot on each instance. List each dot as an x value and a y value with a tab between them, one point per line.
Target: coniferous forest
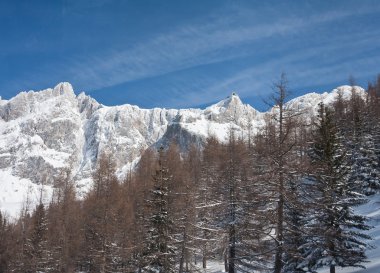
280	200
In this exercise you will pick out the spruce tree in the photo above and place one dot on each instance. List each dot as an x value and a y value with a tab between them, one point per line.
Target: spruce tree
360	142
159	251
296	220
336	232
35	256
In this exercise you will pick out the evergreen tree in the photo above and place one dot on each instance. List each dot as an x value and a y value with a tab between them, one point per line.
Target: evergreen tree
296	220
336	237
35	255
359	141
365	169
159	251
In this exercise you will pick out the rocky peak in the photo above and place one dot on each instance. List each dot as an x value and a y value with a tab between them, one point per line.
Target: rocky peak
231	109
63	88
234	98
232	101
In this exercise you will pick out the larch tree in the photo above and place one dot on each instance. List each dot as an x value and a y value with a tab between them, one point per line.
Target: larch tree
206	201
242	214
232	199
280	145
100	218
186	215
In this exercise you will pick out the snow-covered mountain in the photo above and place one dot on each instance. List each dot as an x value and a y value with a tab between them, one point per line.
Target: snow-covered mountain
42	133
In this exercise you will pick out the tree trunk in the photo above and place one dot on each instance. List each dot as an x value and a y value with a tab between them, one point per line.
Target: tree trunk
204	251
279	237
225	261
232	251
183	249
332	268
278	264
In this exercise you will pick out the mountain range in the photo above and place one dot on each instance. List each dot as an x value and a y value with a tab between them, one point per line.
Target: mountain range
43	133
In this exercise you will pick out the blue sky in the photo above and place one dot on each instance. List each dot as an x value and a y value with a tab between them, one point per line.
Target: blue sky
180	53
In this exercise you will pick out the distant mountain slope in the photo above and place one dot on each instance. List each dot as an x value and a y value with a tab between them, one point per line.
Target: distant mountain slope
41	133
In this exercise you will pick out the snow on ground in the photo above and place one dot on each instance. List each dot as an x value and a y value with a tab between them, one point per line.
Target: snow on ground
212	267
372	210
19	192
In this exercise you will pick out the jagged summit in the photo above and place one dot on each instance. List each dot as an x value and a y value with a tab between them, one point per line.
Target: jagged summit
231	101
64	88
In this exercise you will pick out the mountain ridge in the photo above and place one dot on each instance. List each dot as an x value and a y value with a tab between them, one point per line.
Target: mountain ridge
44	132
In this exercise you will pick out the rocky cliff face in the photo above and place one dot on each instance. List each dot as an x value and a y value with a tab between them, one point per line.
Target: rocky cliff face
42	133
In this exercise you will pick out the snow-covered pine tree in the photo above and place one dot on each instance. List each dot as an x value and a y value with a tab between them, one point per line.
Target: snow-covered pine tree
336	235
365	169
373	107
37	245
369	146
359	142
295	221
158	255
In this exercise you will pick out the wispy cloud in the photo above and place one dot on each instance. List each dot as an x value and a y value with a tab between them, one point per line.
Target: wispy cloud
187	46
257	79
215	39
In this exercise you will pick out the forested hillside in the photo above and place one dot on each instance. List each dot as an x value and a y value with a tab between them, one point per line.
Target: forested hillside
281	199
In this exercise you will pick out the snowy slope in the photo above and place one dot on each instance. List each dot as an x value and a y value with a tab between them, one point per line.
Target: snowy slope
309	102
42	133
20	193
